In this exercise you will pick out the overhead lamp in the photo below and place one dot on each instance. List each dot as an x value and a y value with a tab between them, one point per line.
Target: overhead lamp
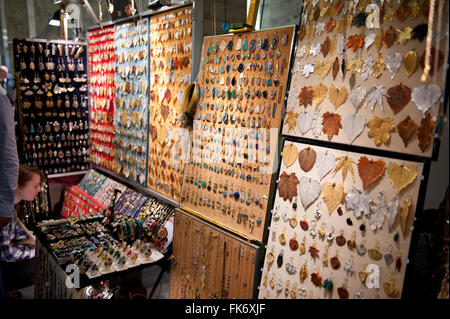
56	19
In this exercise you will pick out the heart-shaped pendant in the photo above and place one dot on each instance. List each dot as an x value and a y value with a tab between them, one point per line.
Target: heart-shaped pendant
337	96
424	96
401	175
353	125
370	170
310	190
332	194
399	97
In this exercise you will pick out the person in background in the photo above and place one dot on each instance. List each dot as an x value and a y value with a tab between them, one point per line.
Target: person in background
17	243
7	85
9	167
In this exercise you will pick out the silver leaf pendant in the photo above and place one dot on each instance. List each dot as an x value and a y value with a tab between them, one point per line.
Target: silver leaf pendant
353	125
325	162
425	96
357	95
394	62
369	39
317	123
310	190
392	211
304	122
358	201
307	69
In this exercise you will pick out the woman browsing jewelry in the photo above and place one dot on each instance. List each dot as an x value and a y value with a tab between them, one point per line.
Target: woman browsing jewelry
17	243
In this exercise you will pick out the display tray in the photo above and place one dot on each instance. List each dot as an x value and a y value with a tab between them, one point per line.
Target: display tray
340	217
359	82
243	79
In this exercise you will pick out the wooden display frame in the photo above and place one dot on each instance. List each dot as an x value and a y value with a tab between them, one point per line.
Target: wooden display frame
251	180
299	81
168	40
368	238
214	264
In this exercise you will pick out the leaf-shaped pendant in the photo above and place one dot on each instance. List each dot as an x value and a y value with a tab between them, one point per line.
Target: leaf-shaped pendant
307	158
398	97
353	125
322	68
380	129
319	93
394	62
331	123
410	63
392	212
358	201
425	131
304	122
337	96
401	175
335	68
406	129
405	211
287	186
290	153
324	163
370	171
332	194
310	190
376	219
424	96
357	96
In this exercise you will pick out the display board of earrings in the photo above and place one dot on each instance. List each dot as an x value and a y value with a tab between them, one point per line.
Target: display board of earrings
340	220
53	106
102	62
131	100
357	75
170	70
209	263
243	81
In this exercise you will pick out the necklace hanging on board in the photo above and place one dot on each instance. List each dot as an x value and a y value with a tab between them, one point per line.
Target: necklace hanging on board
225	25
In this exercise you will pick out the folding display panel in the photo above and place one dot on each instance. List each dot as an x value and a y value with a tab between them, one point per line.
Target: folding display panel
170	69
102	62
236	127
357	75
341	224
131	101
